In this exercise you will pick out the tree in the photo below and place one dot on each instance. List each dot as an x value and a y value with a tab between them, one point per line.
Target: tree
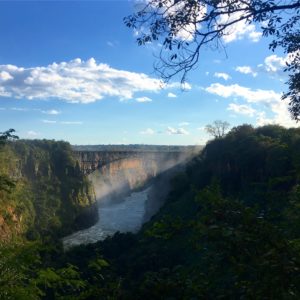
217	129
7	135
6	184
184	27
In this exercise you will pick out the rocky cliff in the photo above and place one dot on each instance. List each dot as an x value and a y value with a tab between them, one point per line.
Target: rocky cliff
50	195
123	175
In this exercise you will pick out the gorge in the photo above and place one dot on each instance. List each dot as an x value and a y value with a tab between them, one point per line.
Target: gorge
127	187
225	225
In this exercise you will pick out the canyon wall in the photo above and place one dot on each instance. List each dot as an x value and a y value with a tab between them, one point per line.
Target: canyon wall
122	175
47	195
89	161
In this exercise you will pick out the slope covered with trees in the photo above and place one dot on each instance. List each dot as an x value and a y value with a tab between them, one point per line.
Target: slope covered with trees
47	192
229	230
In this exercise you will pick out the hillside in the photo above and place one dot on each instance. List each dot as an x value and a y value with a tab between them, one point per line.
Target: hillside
50	193
229	229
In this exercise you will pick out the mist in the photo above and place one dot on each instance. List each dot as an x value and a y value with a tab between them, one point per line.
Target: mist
129	192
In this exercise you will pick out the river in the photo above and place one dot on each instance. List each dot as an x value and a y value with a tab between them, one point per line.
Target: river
125	216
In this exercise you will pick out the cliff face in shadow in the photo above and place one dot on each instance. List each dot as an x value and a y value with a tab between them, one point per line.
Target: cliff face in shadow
50	196
122	176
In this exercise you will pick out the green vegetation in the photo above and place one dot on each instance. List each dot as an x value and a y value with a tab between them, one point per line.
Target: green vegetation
230	229
44	194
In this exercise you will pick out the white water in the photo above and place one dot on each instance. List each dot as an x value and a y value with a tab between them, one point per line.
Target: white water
125	216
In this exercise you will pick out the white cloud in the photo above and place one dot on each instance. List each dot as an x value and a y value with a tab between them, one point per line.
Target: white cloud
235	90
239	30
62	122
242	109
274	63
246	70
148	131
4	76
2	108
51	112
32	134
75	81
281	116
184	86
225	76
186	32
270	98
172	95
143	99
49	121
171	130
71	122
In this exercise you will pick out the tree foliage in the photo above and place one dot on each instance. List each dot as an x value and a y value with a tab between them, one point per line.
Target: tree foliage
229	230
6	184
185	27
7	135
217	129
42	191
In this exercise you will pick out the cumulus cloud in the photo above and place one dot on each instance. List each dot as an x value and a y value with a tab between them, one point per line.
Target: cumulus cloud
171	130
239	30
187	32
274	63
32	134
225	76
246	70
233	32
143	99
270	98
184	86
172	95
51	112
75	81
4	76
281	116
235	90
242	109
148	131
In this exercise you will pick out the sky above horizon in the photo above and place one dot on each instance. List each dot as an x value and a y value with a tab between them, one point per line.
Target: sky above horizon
71	70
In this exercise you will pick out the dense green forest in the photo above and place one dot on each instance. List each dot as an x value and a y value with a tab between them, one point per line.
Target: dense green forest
47	193
229	229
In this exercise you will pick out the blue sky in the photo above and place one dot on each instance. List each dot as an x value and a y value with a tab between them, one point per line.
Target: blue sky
71	70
